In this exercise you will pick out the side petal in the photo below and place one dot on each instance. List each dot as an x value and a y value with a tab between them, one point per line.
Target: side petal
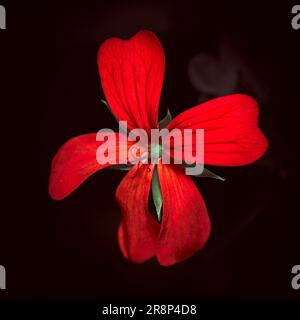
185	222
132	74
74	162
138	231
231	133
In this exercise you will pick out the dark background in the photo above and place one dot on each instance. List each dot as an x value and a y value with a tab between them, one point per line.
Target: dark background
50	91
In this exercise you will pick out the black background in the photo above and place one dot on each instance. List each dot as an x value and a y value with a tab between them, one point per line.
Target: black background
50	92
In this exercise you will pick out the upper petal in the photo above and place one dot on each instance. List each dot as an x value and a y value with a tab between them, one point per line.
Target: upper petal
132	74
75	161
231	133
185	222
138	231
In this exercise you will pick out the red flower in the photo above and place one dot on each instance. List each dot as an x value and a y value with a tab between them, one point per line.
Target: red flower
132	74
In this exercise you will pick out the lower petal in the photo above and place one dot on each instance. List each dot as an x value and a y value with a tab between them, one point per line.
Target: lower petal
185	222
138	231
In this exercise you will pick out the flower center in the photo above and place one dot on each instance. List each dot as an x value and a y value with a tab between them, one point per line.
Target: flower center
155	152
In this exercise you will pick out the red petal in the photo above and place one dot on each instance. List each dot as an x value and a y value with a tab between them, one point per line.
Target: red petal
74	162
231	133
138	231
185	222
132	74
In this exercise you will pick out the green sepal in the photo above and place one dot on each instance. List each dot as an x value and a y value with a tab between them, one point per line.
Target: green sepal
156	194
165	121
109	108
123	167
209	174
